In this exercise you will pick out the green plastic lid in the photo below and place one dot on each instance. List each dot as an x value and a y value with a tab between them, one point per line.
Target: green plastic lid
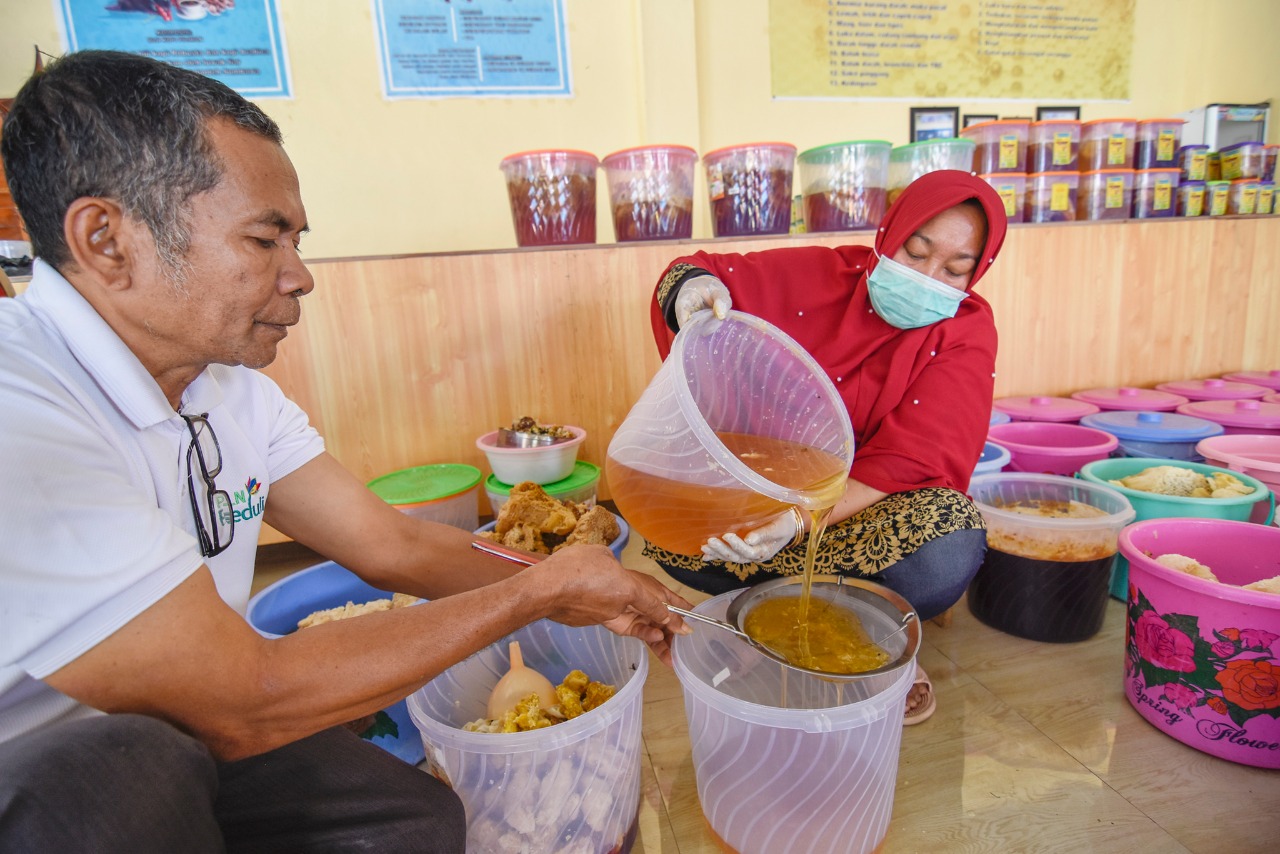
817	152
583	474
902	151
425	483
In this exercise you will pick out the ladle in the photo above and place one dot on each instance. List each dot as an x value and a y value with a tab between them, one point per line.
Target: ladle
737	610
517	683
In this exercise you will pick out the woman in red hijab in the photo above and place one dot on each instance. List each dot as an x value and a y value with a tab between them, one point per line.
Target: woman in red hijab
912	351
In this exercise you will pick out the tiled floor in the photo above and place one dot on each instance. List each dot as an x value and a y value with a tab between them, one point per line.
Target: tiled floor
1033	749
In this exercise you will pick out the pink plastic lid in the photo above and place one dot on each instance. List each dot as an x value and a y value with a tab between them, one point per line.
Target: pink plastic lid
1131	399
1040	408
1270	379
1255	414
1214	389
1272	398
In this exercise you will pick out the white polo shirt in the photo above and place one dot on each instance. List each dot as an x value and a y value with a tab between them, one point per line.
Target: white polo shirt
95	516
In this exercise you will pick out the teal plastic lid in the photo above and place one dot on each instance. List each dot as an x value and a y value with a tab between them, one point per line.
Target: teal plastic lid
583	474
425	483
902	151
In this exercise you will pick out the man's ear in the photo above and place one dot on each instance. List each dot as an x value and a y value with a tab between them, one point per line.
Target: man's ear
100	240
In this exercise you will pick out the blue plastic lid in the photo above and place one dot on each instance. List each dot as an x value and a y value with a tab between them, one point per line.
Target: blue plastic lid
1153	426
991	452
998	417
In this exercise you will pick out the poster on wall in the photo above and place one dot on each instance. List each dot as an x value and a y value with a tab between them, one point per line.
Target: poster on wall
239	42
472	48
951	50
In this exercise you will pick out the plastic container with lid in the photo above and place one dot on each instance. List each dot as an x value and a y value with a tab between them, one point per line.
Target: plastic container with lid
778	435
1157	142
1237	416
1266	379
1216	195
552	195
1105	194
446	492
998	417
1042	447
909	162
994	458
1193	162
1213	166
1000	146
1052	196
845	184
1152	505
1053	145
617	545
761	735
579	487
750	188
1155	434
1154	193
651	192
1266	203
1045	575
1185	635
1190	198
1044	408
1107	144
1013	192
1214	388
1269	153
1242	160
1242	198
1257	455
539	463
1127	398
591	763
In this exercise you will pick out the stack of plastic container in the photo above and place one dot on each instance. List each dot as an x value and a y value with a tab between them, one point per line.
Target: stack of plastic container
1000	159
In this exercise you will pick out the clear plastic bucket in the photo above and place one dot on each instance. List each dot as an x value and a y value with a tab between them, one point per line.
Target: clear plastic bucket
651	192
750	188
734	398
574	786
552	195
785	761
844	184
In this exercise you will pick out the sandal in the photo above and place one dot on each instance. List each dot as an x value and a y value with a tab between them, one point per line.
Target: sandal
927	705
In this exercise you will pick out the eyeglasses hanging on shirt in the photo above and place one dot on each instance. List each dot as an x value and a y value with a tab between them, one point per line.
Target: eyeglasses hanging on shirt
215	524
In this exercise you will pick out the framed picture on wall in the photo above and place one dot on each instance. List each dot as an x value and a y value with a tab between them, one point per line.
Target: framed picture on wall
1047	114
977	119
934	123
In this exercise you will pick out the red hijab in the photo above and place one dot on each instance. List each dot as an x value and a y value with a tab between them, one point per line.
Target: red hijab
919	399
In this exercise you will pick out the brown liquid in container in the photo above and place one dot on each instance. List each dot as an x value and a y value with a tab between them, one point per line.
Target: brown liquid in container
752	201
842	211
553	209
825	637
653	220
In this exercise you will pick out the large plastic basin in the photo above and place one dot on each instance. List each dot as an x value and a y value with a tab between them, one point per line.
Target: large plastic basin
1042	447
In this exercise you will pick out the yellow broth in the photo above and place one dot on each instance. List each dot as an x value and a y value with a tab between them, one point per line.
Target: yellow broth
831	639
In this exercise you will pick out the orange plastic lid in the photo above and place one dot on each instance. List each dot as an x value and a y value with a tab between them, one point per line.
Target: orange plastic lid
1057	122
1110	121
717	151
1005	176
684	149
1173	169
1022	122
572	152
1063	175
1129	172
1162	121
1246	181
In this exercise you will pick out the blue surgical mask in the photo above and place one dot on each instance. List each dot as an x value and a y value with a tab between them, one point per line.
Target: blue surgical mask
908	299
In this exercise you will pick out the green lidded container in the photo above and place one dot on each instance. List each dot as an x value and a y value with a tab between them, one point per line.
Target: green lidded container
579	487
845	184
444	492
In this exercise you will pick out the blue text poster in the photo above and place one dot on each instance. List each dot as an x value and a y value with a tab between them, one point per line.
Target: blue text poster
238	42
470	48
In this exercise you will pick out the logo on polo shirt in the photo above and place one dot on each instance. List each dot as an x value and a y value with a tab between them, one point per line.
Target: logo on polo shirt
246	503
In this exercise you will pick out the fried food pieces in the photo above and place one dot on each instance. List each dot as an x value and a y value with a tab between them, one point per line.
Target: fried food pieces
1191	566
1187	483
536	522
576	694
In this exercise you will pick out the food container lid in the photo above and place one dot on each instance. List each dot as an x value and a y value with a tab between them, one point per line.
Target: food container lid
729	149
1270	379
994	453
1043	408
902	151
583	474
998	123
817	151
1223	184
1129	172
1253	181
989	491
1236	413
1153	426
1236	145
1071	177
425	483
1214	389
608	159
1183	148
998	417
569	152
1111	121
1162	121
1003	176
1172	170
1130	398
1182	184
1055	122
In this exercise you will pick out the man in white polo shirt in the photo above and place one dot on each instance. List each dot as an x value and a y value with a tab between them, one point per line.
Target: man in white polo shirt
139	456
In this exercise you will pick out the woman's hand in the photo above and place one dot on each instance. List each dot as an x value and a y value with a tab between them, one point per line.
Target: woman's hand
759	544
699	293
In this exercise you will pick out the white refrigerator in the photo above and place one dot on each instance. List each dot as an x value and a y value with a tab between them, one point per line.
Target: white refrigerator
1220	125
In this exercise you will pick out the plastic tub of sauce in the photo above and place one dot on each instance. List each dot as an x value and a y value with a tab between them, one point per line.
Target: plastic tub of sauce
750	188
1154	191
1013	191
845	184
1242	197
1242	160
1000	146
553	196
1193	160
1190	198
1105	194
1052	196
1107	144
1157	142
1216	194
1054	146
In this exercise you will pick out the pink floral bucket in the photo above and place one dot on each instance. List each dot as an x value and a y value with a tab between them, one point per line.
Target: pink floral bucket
1203	657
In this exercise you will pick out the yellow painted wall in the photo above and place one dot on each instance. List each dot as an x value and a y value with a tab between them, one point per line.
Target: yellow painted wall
392	177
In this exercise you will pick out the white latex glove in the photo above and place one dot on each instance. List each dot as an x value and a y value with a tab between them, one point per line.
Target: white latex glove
699	293
759	544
